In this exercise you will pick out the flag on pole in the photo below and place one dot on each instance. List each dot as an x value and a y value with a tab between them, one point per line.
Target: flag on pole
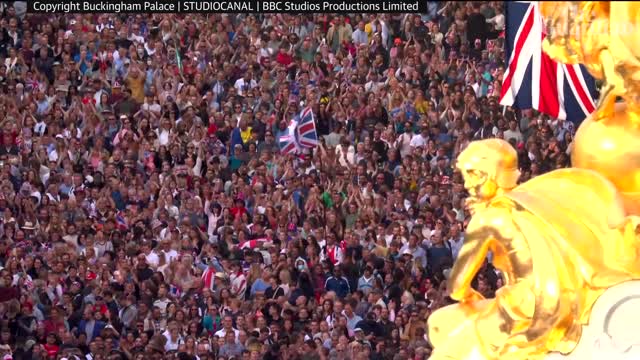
532	80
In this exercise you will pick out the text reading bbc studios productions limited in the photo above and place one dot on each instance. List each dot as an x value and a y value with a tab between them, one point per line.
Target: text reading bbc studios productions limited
237	6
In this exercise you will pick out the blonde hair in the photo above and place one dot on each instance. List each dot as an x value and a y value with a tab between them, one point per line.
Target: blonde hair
409	297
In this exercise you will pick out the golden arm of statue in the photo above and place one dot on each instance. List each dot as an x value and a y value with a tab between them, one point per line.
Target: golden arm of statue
470	260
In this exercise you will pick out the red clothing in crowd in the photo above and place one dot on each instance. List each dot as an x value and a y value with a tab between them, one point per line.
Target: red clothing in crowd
284	59
52	326
8	293
237	211
102	308
52	349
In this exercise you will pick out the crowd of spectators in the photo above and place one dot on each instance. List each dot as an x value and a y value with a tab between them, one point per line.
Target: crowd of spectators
147	212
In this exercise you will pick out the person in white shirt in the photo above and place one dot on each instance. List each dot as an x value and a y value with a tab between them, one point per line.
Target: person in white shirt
345	153
168	253
150	47
264	53
245	84
164	132
403	142
420	139
40	127
227	323
103	24
136	38
498	21
436	35
373	84
163	301
475	84
151	105
174	339
11	61
214	213
331	251
456	238
152	258
513	132
238	281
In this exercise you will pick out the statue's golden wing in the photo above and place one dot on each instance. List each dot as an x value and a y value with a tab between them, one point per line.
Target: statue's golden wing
598	35
561	42
577	32
625	41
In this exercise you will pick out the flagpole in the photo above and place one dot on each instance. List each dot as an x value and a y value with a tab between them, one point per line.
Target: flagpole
179	60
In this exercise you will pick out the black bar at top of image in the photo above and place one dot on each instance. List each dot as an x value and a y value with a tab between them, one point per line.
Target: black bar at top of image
226	6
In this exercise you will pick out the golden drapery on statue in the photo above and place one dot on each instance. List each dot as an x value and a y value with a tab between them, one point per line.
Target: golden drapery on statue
562	238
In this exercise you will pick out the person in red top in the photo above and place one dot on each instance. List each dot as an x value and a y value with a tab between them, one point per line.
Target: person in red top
54	322
100	305
7	291
238	210
284	58
51	347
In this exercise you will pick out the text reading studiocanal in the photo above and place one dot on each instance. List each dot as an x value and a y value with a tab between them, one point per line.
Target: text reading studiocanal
307	6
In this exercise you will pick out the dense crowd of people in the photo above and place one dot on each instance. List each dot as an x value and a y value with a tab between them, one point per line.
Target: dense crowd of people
147	211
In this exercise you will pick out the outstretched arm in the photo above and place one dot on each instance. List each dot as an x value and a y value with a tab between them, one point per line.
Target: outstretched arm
470	260
482	235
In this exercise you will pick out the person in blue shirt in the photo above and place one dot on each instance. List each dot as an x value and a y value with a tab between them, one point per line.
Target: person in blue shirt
89	326
485	79
261	284
84	59
211	321
366	281
338	283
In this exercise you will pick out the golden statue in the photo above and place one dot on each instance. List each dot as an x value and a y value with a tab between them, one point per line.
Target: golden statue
561	239
557	255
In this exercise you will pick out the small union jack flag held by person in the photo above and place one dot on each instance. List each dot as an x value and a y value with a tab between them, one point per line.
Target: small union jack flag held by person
121	221
301	133
307	134
532	80
288	143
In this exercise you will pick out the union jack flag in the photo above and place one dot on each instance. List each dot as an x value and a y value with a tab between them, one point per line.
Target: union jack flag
307	134
252	244
288	142
532	79
301	133
121	221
